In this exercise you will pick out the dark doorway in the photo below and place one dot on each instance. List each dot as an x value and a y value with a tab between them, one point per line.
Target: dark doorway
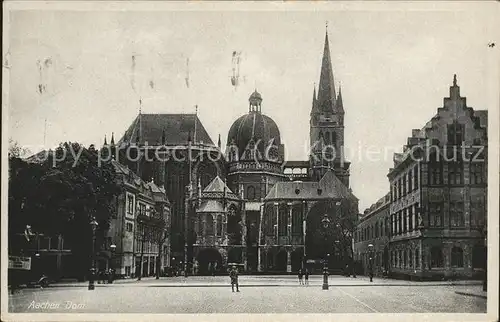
281	259
209	261
297	259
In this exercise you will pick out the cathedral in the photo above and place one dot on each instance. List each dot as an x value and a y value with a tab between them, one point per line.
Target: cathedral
244	204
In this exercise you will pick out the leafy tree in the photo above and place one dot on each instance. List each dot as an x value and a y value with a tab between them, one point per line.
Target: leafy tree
61	194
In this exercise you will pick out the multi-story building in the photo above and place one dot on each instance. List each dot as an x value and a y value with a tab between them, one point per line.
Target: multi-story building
374	228
438	195
139	229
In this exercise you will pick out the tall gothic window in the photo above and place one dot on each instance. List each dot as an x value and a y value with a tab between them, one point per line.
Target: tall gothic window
410	180
130	204
404	185
455	133
219	225
297	220
436	257
250	193
435	214
455	173
417	258
283	221
457	214
457	257
210	225
477	173
410	259
410	216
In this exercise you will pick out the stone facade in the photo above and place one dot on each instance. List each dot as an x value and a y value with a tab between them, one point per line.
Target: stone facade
438	195
374	228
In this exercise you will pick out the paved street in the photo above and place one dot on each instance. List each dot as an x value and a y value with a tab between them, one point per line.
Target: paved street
259	294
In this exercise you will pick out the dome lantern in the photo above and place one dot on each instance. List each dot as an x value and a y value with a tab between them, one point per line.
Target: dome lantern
255	102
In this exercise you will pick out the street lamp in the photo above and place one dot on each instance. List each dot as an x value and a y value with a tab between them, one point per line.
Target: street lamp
112	247
93	224
325	221
370	261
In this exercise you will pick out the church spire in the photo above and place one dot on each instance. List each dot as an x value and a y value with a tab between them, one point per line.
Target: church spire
326	90
339	104
112	138
105	140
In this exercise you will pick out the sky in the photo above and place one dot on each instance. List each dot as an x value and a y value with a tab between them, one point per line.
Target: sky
395	66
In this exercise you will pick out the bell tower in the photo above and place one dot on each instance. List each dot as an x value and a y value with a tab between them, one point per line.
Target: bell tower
327	124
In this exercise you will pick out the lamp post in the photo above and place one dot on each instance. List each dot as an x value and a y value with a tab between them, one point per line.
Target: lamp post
325	221
370	261
112	268
93	224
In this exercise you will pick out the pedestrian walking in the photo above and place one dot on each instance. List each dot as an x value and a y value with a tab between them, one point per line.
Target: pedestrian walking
300	275
306	274
233	274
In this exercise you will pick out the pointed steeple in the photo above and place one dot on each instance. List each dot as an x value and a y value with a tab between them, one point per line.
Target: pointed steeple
219	142
105	140
112	138
314	101
326	90
339	104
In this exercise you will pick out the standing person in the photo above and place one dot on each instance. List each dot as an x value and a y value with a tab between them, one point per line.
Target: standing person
233	274
306	273
300	274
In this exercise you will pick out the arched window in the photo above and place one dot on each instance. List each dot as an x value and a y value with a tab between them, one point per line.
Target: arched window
457	257
210	225
219	225
250	193
436	257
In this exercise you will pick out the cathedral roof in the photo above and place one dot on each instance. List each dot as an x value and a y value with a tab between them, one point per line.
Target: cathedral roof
174	128
218	189
329	187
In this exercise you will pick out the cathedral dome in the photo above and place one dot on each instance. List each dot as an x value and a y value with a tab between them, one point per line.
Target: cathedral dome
254	128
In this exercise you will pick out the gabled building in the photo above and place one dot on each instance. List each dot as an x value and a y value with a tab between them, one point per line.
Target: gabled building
438	195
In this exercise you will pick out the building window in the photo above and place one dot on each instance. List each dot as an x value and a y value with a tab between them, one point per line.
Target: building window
297	221
130	204
410	259
455	134
457	257
129	227
415	176
476	173
219	225
404	258
436	257
410	181
417	258
283	220
404	184
210	225
410	218
435	171
455	173
399	188
435	214
250	193
477	214
457	214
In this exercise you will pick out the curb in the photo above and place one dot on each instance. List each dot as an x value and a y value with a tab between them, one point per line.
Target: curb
471	294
